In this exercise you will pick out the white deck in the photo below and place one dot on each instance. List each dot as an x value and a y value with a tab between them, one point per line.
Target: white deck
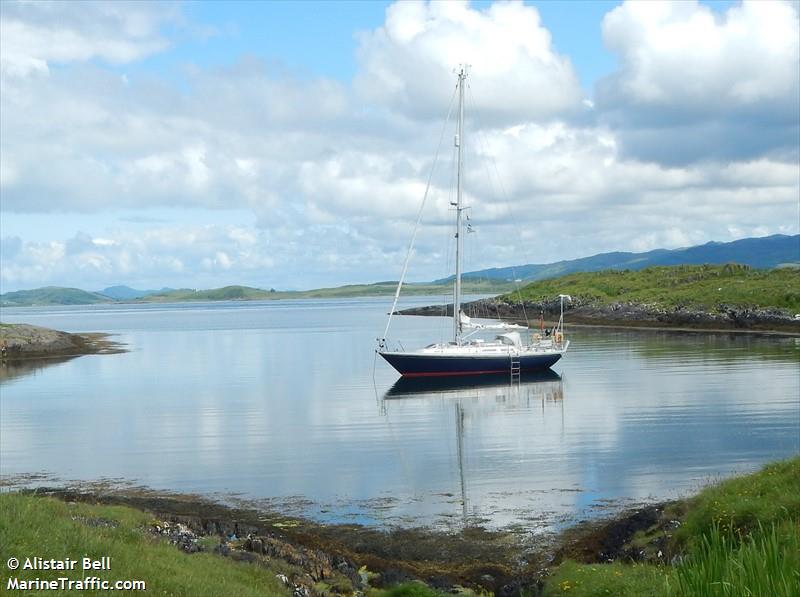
488	349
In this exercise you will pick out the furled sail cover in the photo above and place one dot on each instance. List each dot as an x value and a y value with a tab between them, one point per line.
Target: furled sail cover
511	338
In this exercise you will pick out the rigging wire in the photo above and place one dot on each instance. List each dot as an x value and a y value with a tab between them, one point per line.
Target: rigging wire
382	340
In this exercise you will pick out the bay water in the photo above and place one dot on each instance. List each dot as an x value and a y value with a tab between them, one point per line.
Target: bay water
284	404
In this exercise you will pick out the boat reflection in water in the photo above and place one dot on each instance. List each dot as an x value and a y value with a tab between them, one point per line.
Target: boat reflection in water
543	385
476	401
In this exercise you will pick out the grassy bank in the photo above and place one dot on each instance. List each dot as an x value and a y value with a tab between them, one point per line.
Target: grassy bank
49	528
739	537
702	287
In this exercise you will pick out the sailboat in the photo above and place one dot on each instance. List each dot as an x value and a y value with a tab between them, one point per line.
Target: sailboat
515	350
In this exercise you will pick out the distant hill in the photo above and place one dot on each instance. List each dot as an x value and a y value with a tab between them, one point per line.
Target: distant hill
70	296
409	288
52	295
247	293
766	252
228	293
126	293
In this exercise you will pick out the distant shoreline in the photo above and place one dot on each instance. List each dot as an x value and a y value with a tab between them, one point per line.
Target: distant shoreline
652	328
67	297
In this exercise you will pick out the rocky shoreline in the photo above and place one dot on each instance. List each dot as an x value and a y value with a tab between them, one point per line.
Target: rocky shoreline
22	341
686	546
627	314
349	559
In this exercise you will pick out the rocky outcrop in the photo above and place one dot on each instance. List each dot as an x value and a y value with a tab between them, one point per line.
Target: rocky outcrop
306	566
24	341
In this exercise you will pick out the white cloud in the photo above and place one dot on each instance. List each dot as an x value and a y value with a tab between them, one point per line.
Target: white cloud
695	85
404	63
681	53
36	34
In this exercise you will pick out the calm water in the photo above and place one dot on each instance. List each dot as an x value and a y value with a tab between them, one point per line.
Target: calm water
277	402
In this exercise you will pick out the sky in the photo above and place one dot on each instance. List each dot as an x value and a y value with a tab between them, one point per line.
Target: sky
288	145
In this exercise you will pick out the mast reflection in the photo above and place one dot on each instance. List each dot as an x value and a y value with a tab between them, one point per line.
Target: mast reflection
477	397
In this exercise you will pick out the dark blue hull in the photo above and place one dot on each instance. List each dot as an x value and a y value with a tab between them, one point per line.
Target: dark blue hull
422	365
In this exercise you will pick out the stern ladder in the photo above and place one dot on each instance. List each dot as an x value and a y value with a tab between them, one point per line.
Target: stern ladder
515	367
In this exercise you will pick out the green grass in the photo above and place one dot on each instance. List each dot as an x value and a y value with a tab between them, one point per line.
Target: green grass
696	286
741	504
619	580
409	589
740	537
765	562
48	528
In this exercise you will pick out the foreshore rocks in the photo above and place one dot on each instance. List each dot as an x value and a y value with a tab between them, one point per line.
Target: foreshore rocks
25	341
313	559
188	533
316	559
625	314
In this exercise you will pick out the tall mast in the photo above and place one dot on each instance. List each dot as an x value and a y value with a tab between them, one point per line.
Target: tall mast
462	75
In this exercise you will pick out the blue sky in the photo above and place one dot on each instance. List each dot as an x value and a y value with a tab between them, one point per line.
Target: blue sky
283	144
311	38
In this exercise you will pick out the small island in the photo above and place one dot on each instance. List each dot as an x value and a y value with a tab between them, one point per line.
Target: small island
729	297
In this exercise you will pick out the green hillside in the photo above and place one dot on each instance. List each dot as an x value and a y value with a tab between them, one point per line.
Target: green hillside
388	288
227	293
52	295
694	286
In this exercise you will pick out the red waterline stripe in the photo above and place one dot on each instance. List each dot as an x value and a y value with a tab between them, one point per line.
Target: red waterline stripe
448	373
